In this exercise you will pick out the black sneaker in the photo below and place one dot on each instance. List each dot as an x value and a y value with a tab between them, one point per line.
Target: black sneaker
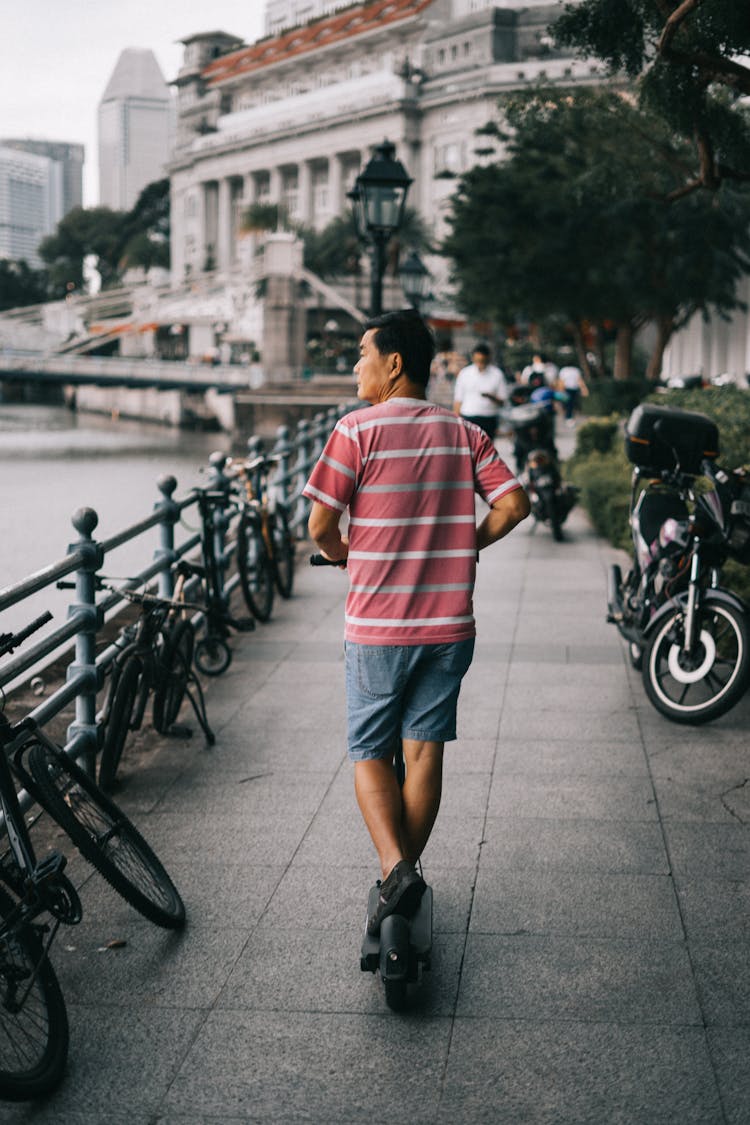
400	893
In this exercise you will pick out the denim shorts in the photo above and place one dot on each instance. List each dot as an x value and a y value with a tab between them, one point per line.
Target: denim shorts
402	691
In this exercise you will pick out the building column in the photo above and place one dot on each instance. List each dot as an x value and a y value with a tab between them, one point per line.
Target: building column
224	225
274	185
304	192
336	186
210	227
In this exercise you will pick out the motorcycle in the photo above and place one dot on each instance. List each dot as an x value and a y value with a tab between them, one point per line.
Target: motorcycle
687	635
537	464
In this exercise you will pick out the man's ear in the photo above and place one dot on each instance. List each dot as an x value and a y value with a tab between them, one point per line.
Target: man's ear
397	366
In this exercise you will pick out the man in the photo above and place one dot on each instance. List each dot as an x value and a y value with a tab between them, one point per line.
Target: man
480	391
571	381
407	471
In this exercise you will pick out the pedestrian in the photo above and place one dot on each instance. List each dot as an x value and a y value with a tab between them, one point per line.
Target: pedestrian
480	391
534	374
572	382
407	471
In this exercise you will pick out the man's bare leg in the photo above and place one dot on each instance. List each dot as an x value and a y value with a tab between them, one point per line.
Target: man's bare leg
420	796
379	798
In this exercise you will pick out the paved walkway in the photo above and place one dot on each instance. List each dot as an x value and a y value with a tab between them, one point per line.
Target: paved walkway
590	868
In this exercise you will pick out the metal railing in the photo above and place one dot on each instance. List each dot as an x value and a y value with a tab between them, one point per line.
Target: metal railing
295	454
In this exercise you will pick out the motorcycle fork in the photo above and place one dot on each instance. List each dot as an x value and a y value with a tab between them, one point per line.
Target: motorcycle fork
691	612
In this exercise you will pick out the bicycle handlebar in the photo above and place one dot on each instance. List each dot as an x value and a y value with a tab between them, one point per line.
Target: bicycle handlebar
9	641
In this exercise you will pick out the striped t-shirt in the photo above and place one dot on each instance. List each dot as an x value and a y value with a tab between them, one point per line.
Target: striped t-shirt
408	470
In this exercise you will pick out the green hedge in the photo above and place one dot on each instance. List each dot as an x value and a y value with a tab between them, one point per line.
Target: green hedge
601	470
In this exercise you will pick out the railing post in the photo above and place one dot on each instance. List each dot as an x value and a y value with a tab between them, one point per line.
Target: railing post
220	483
302	467
82	734
255	449
165	552
281	481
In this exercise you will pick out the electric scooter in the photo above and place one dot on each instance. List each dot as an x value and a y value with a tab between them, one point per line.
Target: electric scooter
402	949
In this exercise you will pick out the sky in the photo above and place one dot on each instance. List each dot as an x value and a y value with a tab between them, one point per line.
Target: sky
56	57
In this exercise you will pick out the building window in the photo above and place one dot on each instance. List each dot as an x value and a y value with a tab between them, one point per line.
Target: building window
441	55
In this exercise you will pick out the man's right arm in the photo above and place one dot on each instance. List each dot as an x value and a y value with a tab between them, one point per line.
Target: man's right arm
323	526
505	512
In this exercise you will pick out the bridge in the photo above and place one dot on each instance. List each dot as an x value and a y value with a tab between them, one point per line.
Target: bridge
111	371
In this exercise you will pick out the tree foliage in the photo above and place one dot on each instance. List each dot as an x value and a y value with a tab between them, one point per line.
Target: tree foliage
687	59
117	239
574	221
336	250
21	285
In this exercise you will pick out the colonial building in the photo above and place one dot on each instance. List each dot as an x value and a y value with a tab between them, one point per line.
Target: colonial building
292	118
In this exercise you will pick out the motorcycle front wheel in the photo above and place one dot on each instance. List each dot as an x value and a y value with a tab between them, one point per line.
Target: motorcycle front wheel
697	686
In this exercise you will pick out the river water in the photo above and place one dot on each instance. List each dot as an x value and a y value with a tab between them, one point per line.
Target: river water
53	461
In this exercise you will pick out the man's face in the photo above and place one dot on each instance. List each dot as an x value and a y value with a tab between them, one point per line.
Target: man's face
372	370
480	359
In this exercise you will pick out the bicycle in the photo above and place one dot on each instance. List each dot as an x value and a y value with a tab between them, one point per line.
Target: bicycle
155	659
34	1033
212	653
265	544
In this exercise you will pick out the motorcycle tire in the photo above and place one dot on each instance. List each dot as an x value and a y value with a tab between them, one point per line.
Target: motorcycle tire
706	683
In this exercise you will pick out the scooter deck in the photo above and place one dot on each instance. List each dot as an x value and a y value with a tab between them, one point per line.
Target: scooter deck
420	934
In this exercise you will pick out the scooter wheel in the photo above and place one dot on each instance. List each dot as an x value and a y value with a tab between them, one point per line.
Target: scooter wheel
395	994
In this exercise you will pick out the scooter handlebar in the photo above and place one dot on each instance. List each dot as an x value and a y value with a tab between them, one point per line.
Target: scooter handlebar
321	560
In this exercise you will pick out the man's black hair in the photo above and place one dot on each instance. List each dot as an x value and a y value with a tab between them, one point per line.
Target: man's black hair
483	349
404	331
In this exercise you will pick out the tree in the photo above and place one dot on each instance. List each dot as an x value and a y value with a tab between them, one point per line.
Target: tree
81	233
686	56
21	285
117	239
575	223
144	239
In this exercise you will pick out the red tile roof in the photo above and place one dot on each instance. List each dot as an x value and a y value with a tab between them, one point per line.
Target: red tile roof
299	40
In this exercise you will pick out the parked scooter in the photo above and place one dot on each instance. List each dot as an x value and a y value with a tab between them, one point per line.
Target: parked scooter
689	636
537	464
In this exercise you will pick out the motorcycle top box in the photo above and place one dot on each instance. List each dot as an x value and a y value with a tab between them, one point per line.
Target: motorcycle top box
662	437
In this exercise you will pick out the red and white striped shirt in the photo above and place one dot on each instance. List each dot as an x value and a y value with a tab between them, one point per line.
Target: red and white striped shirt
408	470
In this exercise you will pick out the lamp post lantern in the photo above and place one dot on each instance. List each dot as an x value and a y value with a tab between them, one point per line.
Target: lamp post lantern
379	197
415	279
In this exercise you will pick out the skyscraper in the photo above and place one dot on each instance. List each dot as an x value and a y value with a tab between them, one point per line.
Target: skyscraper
31	192
69	155
134	129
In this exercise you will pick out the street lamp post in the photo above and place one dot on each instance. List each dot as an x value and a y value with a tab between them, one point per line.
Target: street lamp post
379	198
415	279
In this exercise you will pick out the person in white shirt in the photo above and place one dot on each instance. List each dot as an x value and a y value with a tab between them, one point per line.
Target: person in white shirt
480	391
572	382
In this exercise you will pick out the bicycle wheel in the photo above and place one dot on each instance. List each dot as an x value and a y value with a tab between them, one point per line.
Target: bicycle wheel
34	1031
255	569
283	553
104	836
174	672
118	723
212	656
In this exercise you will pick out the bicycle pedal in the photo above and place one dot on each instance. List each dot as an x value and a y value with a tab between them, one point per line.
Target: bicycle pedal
242	624
48	868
